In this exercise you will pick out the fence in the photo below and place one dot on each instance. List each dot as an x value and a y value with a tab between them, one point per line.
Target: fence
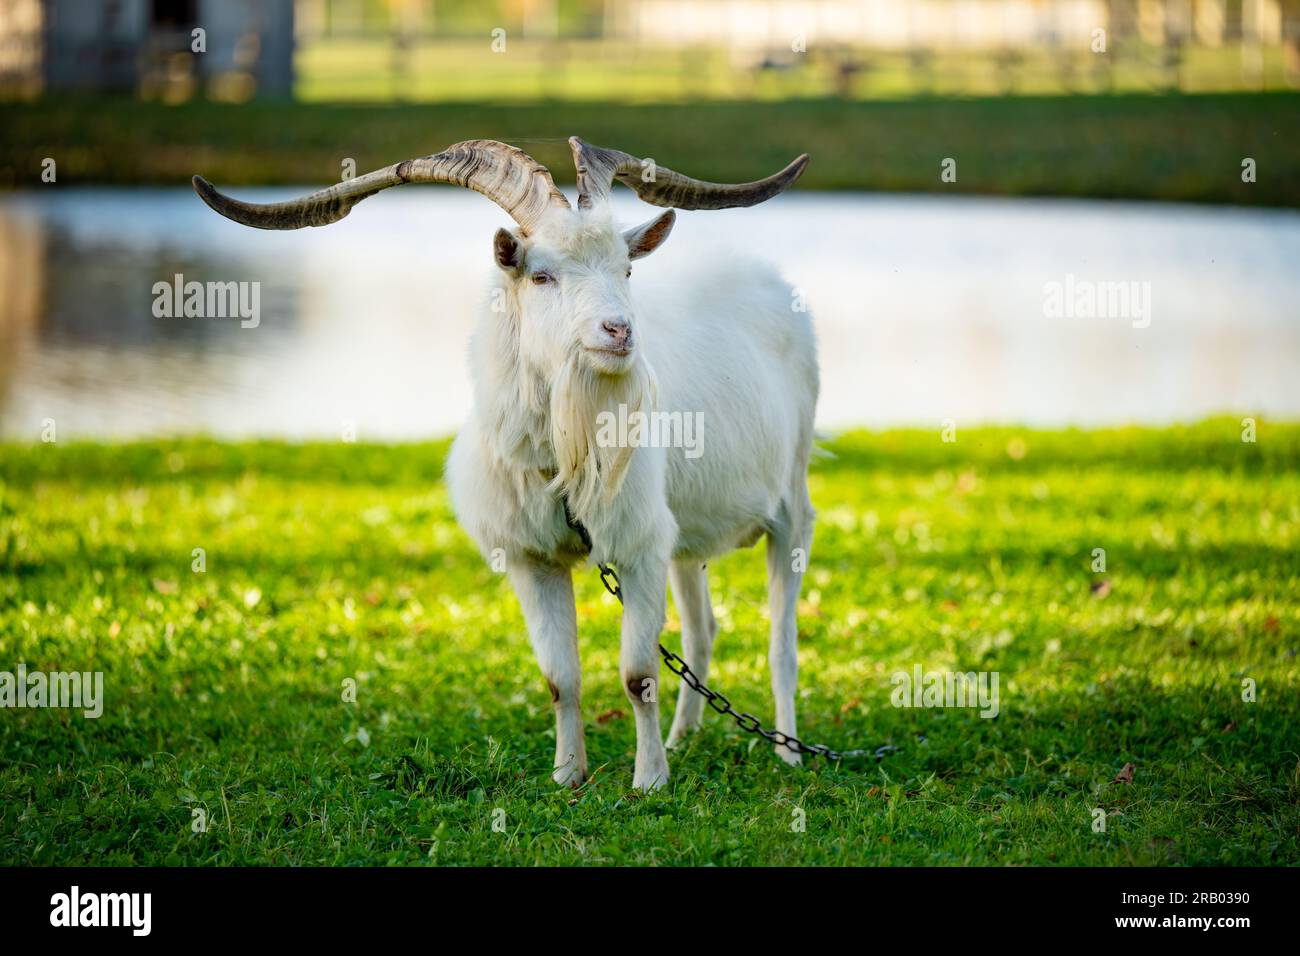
437	50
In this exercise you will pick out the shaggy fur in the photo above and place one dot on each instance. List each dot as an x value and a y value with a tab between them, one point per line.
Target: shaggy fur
722	340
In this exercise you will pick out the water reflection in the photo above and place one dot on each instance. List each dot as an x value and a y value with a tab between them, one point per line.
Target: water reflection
927	308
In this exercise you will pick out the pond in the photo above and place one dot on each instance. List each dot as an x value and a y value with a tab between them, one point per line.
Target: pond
1043	312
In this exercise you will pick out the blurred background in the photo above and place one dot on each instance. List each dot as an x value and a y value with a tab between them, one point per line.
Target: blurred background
967	155
648	50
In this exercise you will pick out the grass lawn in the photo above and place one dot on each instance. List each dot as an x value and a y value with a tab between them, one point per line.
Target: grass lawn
329	562
466	68
1140	146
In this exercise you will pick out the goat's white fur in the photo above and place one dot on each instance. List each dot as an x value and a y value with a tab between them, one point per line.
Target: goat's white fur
722	339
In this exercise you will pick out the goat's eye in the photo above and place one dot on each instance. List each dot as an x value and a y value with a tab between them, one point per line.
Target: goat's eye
541	278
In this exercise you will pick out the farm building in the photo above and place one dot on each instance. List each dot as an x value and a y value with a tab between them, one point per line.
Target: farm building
231	49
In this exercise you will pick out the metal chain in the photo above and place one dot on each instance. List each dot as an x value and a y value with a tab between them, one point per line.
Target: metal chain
719	702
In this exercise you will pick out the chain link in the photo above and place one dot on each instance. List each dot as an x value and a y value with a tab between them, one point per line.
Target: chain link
719	702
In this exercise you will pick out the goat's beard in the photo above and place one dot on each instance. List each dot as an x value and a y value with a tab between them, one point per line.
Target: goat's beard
586	473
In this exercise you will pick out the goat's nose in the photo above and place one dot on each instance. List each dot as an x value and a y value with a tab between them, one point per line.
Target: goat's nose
619	330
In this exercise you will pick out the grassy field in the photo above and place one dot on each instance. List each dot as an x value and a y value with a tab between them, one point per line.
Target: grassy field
1187	148
330	562
466	69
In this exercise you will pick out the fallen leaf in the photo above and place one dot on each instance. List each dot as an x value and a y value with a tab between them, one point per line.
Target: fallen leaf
1125	775
115	629
1229	727
1100	588
949	605
609	715
164	587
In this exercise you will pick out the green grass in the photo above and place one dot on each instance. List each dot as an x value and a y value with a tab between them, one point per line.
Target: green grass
1186	148
447	69
333	561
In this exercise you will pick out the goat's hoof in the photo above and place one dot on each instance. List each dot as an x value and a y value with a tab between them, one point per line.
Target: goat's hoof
651	780
791	757
570	775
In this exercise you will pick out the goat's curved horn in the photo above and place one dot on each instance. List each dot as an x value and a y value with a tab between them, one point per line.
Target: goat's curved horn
509	177
599	167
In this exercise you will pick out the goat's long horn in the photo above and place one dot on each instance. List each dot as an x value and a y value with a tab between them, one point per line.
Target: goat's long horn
599	167
509	177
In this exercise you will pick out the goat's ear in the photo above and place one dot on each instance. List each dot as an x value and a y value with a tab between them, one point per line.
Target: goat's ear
507	250
649	236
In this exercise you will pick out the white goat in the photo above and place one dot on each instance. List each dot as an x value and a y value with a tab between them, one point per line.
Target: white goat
564	343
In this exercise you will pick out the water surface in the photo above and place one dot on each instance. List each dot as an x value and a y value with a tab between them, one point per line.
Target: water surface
927	308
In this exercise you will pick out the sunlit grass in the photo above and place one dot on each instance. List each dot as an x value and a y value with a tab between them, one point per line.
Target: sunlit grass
328	562
468	69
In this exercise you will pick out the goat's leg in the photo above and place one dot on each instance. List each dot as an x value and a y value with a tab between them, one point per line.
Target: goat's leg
643	583
690	583
546	596
791	531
